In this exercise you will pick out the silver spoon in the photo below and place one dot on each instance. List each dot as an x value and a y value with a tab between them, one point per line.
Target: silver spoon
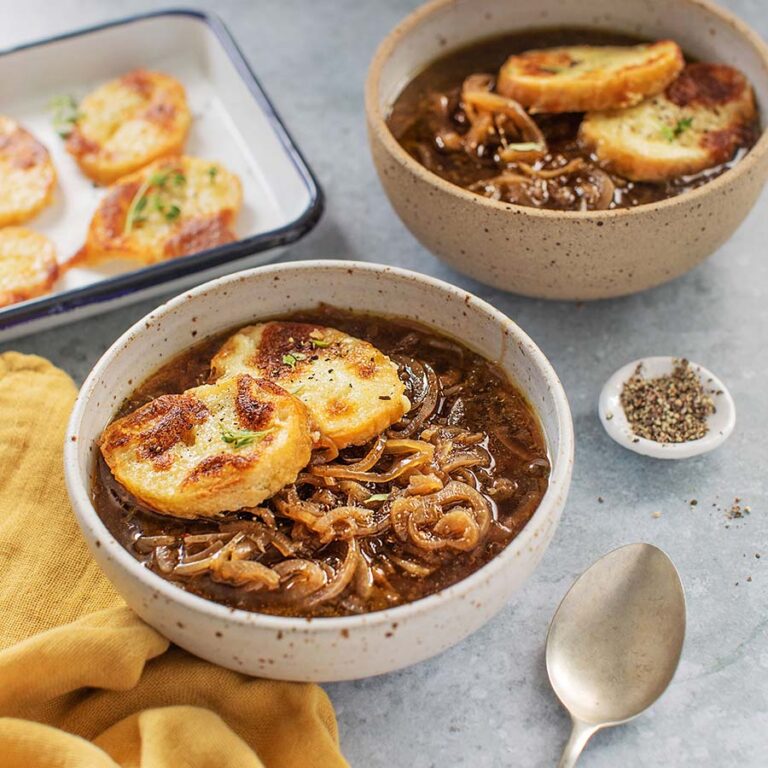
615	641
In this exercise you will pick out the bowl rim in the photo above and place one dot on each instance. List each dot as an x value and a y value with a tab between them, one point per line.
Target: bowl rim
552	502
377	124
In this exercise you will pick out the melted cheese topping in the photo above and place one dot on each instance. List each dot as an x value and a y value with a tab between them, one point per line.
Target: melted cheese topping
697	123
27	175
190	206
351	389
212	449
585	77
128	122
28	266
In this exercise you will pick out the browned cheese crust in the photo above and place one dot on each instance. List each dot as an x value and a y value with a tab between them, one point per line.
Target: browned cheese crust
583	77
699	122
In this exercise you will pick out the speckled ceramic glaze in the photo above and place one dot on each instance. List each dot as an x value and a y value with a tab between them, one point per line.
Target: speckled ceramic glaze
335	648
564	255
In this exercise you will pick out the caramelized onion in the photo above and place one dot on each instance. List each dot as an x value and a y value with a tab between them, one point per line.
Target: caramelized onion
432	522
485	101
552	173
249	574
479	457
208	559
363	578
477	135
455	492
420	485
165	559
206	553
370	458
449	140
262	535
412	568
340	580
477	83
205	538
502	488
288	504
299	578
356	492
354	521
420	452
324	450
605	188
512	187
147	544
458	529
426	407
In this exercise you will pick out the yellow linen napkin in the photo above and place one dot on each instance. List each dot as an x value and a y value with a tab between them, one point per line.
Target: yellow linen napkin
84	683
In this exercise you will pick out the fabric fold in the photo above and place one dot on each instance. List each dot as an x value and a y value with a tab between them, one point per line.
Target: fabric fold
83	681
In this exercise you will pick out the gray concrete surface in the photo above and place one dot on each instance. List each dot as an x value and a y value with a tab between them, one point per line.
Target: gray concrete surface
487	702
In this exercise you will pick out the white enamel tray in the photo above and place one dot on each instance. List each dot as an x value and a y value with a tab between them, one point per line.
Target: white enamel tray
233	122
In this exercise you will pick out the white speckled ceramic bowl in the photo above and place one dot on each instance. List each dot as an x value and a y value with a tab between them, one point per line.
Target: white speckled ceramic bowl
553	254
333	648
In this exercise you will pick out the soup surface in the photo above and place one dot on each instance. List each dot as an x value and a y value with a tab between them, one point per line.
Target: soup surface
415	510
429	111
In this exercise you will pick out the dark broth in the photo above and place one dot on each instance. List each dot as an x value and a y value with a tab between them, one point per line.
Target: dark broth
414	124
476	397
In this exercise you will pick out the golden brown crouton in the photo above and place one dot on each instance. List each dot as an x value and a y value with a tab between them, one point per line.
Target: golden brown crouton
174	207
28	266
27	175
127	123
580	78
212	449
351	389
698	122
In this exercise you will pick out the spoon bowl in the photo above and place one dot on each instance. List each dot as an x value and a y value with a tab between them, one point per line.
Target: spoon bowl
615	641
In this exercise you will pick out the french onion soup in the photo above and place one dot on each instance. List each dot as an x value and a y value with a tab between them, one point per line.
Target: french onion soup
575	119
323	464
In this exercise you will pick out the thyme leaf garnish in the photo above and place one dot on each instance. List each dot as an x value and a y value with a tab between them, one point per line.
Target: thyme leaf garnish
65	114
291	358
670	133
173	213
157	180
242	438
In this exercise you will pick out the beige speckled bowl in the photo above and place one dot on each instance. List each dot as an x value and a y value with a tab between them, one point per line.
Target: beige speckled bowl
572	255
326	648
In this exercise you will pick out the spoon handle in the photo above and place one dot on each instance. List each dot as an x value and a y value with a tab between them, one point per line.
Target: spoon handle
580	734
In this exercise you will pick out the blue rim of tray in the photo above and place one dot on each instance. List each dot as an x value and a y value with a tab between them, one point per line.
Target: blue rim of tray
115	287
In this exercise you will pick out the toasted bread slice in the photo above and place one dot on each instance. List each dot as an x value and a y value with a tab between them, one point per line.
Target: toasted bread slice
698	122
174	207
28	266
580	78
351	389
212	449
127	123
27	175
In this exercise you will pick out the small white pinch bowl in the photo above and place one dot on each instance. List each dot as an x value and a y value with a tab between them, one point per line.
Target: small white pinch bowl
327	648
613	418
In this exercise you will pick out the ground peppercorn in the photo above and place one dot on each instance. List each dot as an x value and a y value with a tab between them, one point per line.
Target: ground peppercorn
667	409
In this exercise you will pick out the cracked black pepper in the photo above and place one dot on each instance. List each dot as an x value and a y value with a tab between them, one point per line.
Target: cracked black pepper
667	409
